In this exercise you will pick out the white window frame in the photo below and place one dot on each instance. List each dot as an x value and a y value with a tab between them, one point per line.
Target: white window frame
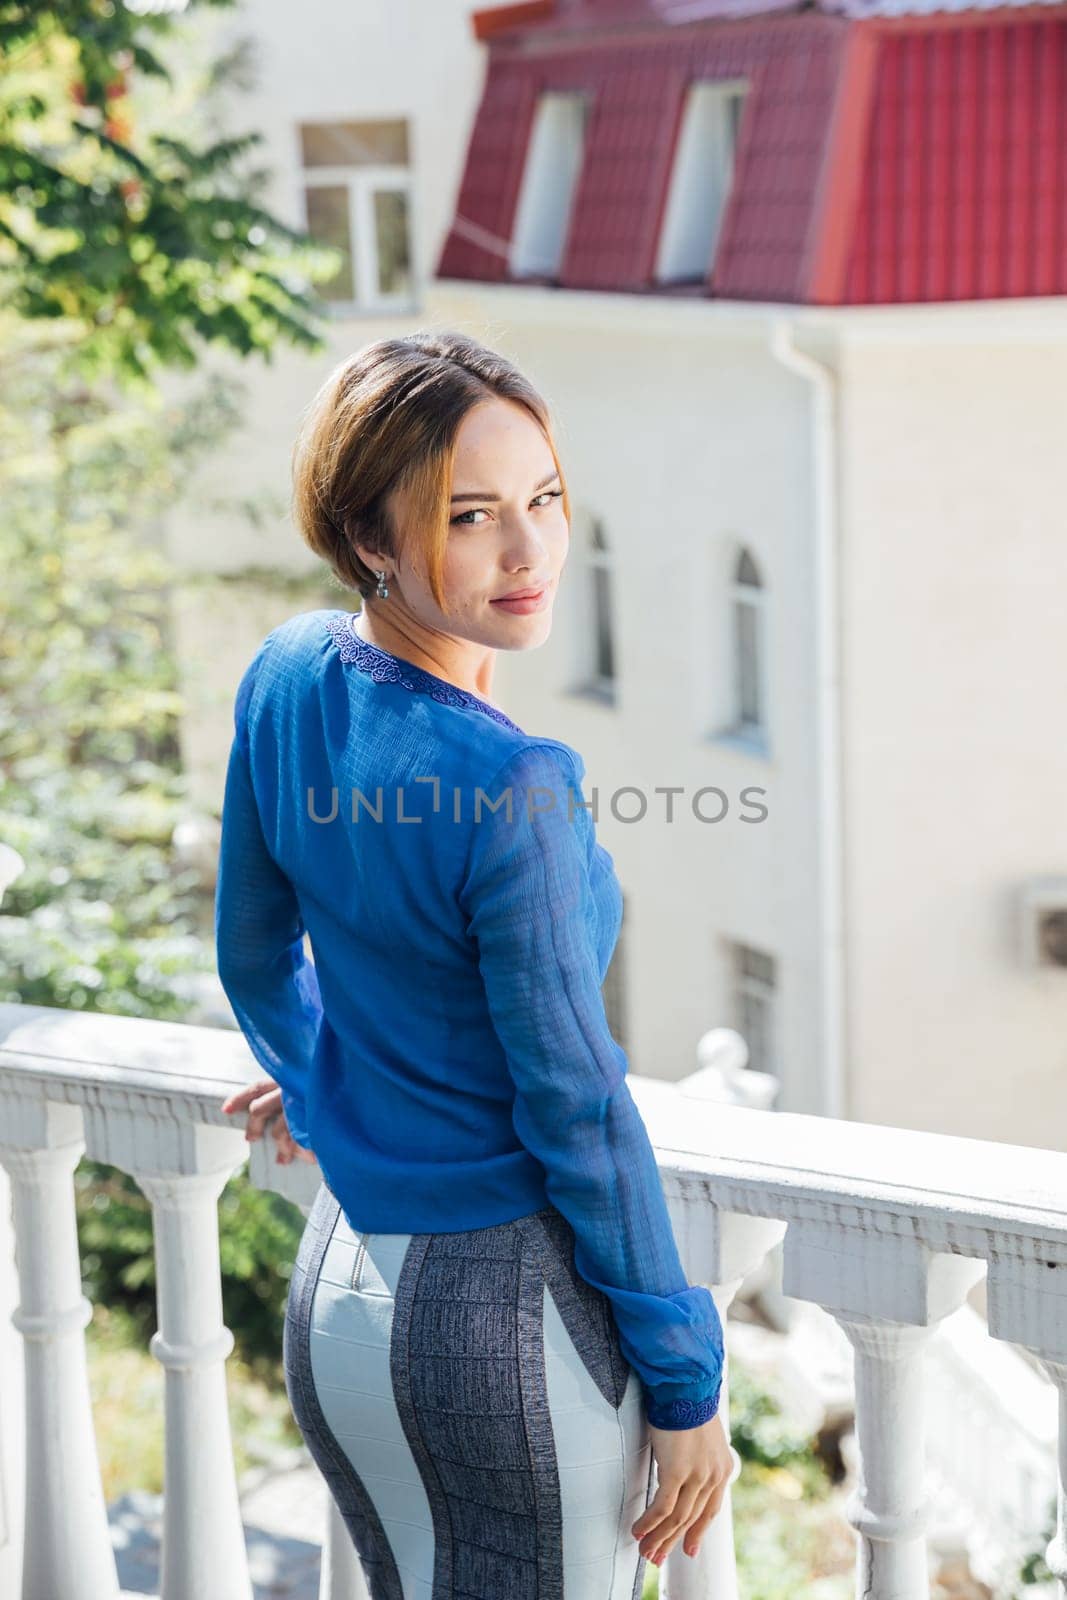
362	183
701	180
762	992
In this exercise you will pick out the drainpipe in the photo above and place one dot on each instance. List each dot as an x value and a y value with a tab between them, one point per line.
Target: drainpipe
823	381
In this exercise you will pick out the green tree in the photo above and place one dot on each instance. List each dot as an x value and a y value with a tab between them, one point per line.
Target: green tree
129	243
103	917
144	242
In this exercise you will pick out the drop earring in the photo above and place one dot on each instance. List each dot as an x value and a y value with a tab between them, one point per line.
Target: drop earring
383	588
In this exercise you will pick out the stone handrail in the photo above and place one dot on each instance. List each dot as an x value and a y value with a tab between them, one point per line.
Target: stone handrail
886	1228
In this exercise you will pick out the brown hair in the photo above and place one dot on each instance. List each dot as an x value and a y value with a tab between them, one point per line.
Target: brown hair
385	419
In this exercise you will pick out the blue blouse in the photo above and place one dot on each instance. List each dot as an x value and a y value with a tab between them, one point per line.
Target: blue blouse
446	1053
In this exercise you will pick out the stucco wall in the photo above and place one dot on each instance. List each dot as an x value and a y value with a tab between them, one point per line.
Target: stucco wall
685	444
954	579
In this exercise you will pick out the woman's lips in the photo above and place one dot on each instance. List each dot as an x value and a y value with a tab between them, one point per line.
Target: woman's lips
523	607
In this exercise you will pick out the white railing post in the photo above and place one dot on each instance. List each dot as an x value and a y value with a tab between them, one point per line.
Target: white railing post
12	1377
1056	1554
66	1543
182	1167
719	1249
203	1555
1026	1303
888	1509
886	1290
12	1405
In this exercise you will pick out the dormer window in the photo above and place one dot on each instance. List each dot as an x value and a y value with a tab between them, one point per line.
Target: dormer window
700	182
553	162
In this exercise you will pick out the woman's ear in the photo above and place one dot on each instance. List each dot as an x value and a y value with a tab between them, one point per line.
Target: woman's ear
370	558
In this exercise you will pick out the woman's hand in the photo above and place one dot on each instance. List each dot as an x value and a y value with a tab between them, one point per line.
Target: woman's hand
263	1102
693	1468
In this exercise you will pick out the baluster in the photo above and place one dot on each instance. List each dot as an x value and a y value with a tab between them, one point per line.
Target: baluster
1056	1554
885	1291
67	1545
719	1249
1026	1303
888	1508
203	1555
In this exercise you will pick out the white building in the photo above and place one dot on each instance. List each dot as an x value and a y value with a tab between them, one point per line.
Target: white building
806	353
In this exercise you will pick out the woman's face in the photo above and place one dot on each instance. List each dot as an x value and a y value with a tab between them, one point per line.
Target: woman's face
507	532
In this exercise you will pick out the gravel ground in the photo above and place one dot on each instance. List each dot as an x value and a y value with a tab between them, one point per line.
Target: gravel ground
284	1515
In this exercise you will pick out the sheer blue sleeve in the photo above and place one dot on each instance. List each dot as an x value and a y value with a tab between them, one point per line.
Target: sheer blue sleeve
259	939
530	904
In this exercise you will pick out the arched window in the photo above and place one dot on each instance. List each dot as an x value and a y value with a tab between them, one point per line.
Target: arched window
602	673
748	644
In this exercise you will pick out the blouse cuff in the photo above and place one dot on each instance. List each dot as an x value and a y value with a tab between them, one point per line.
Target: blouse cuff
665	1407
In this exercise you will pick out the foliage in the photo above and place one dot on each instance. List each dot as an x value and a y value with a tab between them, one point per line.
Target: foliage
123	249
790	1535
140	241
103	917
762	1435
258	1237
127	1385
1034	1568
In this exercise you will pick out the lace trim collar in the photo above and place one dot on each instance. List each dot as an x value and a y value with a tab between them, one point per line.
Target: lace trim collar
386	668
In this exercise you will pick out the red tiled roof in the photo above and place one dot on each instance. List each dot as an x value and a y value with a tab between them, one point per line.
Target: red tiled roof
964	187
941	10
562	18
886	159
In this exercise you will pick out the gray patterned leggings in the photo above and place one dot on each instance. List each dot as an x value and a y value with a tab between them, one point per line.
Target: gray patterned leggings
466	1399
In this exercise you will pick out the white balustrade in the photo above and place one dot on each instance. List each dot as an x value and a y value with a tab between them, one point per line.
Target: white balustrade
885	1228
67	1548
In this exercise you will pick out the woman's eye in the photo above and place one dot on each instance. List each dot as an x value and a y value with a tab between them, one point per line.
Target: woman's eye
548	494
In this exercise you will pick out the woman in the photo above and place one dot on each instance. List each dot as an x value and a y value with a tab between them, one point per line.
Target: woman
489	1337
